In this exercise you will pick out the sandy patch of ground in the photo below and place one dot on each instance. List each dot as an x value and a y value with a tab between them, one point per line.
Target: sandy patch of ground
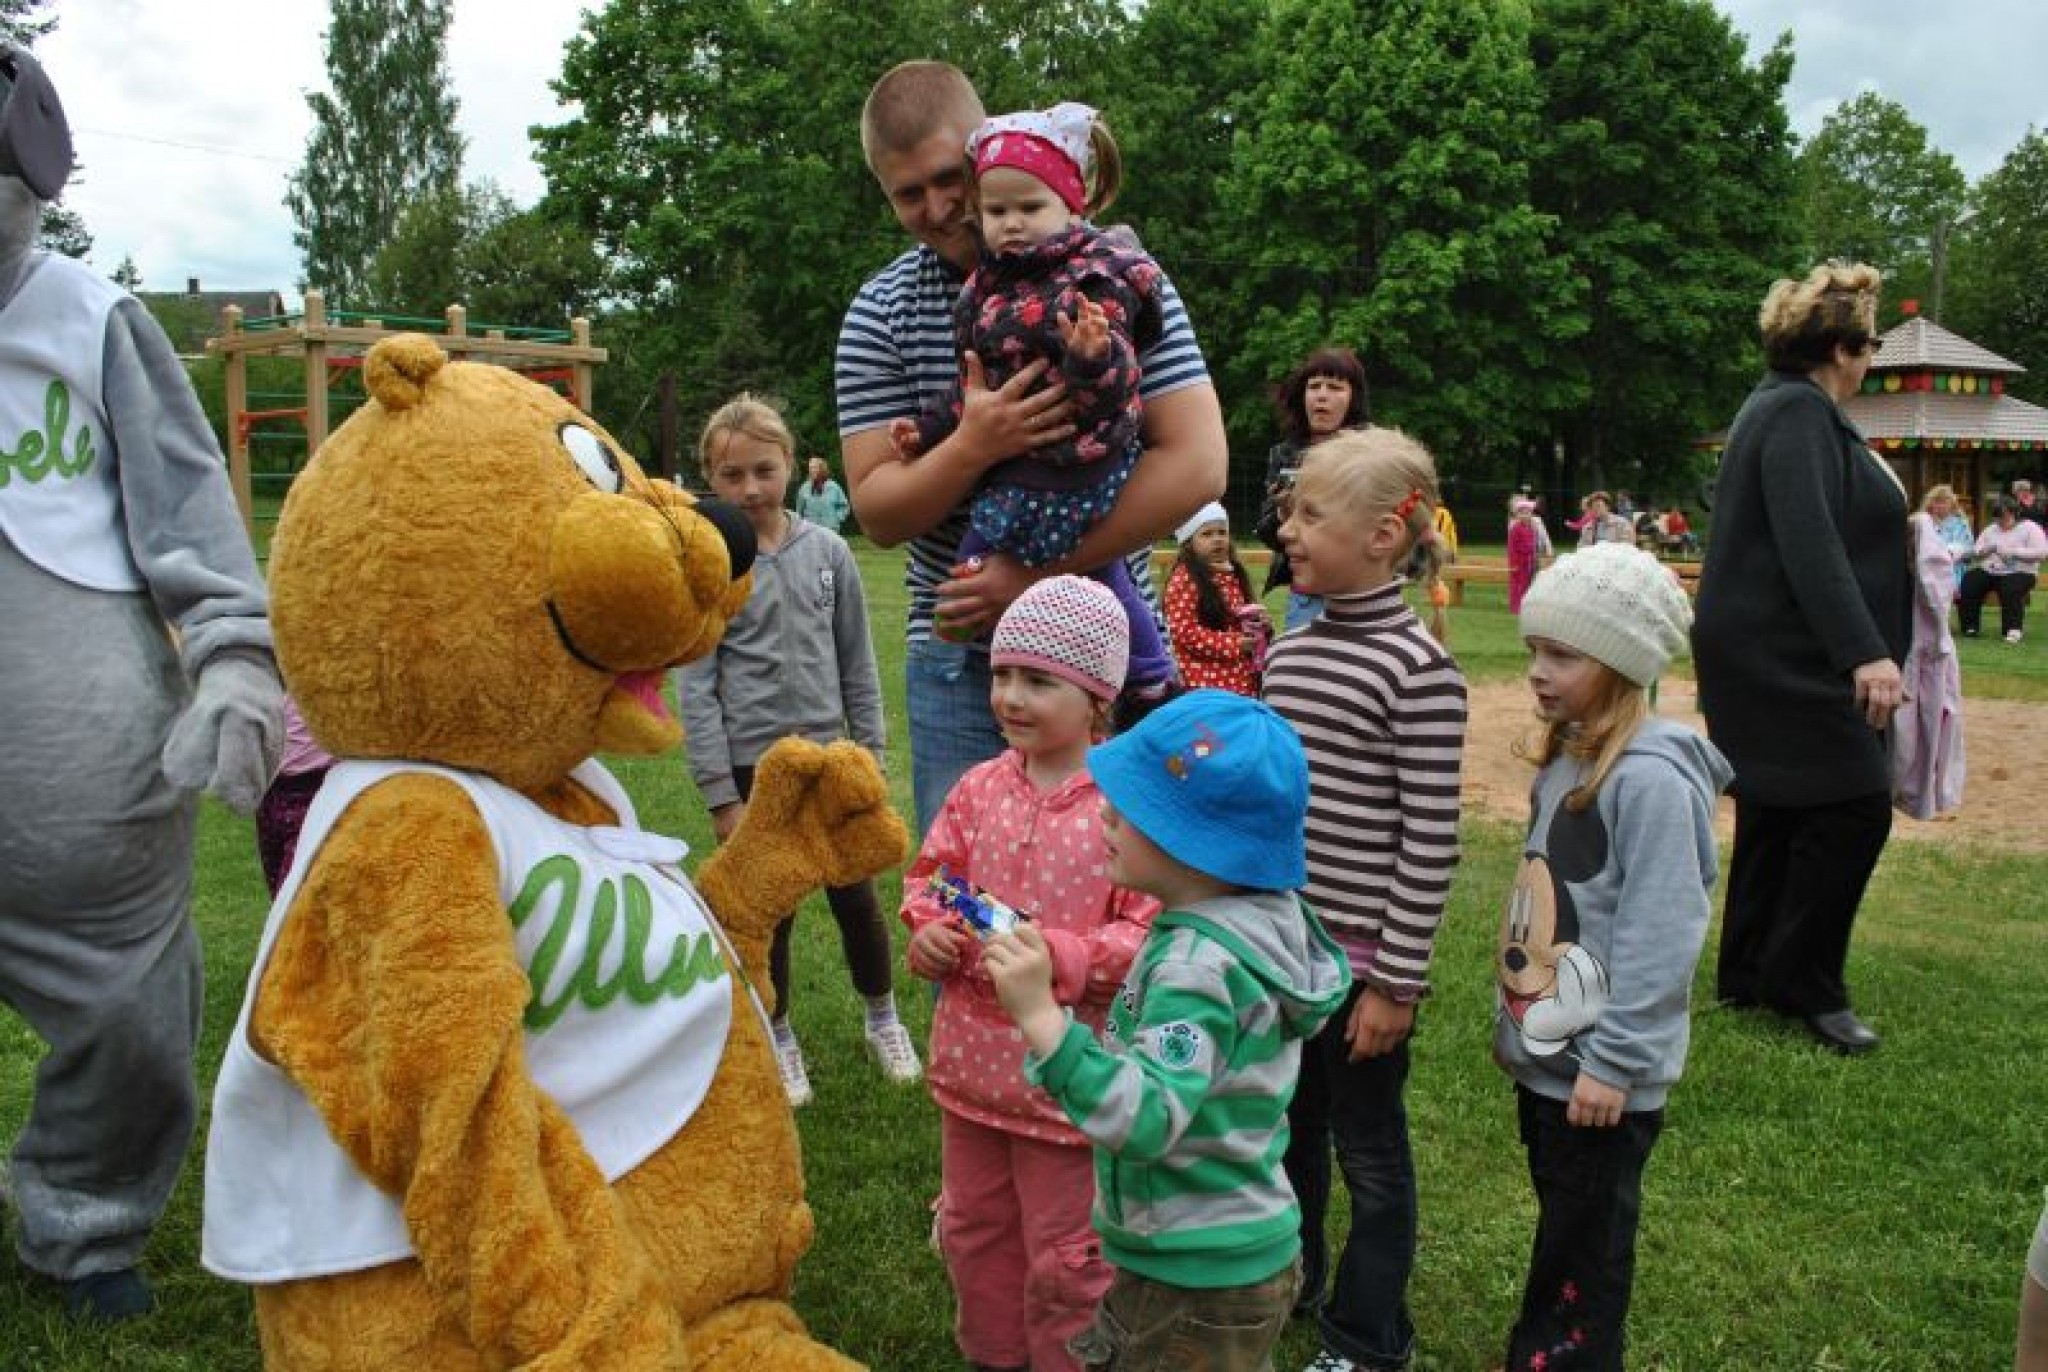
2001	804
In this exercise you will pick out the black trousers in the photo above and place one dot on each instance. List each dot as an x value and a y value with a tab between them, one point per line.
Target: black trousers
1582	1267
2011	589
1794	882
863	938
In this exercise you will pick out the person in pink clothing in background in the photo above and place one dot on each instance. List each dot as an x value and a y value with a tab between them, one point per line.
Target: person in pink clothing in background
1524	548
283	809
1017	1179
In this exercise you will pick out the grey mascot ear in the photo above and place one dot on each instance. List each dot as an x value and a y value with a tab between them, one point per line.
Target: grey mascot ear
35	138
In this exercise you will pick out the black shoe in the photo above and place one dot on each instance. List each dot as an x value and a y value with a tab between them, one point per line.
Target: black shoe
1841	1032
108	1297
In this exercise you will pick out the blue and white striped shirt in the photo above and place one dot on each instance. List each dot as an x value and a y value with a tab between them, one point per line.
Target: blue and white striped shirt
896	350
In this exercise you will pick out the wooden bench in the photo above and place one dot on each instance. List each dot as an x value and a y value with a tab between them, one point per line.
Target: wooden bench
1255	561
1487	572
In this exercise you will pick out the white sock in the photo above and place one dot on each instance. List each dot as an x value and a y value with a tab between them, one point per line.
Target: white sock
881	1011
785	1037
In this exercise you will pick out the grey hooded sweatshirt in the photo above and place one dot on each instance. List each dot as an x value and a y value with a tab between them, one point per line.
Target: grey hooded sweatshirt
796	660
1606	919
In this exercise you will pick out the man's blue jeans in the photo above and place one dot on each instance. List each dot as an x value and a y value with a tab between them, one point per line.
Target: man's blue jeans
1357	1107
952	728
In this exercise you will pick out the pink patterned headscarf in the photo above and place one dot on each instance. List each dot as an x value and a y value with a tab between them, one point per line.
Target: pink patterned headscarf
1051	145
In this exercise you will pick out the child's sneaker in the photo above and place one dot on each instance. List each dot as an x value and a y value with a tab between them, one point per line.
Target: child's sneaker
894	1053
796	1079
2012	635
1327	1361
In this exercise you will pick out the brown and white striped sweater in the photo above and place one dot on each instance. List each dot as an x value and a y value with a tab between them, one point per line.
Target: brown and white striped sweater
1380	707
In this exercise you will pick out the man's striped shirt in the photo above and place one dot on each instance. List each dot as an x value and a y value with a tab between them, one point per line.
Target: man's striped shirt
1380	707
896	352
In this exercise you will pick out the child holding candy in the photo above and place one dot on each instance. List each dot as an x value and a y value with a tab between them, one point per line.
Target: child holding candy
1022	832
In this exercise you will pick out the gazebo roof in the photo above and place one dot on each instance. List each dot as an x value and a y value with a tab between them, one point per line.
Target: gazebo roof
1919	344
1990	420
1930	388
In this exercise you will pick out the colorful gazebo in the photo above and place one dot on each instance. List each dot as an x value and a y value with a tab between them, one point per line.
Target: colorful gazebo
1934	404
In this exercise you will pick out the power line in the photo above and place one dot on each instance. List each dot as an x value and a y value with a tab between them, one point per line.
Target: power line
189	147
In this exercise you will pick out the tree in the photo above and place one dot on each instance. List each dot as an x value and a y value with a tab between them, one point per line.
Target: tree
1667	160
19	24
1378	197
1997	290
475	247
382	139
716	162
128	276
1176	137
1872	190
63	231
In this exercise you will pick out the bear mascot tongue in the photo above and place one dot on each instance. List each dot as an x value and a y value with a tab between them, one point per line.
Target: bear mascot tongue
501	1093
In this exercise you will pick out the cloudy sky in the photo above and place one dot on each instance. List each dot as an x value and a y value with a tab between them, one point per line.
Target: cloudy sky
190	114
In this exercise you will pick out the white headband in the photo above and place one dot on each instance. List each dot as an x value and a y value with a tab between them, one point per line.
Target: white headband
1212	513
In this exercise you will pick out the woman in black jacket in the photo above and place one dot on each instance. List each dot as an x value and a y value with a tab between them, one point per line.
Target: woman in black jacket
1804	615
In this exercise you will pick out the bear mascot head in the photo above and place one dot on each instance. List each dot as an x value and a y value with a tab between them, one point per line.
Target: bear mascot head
501	1093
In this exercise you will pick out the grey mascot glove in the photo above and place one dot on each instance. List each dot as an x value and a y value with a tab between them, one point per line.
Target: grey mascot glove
230	737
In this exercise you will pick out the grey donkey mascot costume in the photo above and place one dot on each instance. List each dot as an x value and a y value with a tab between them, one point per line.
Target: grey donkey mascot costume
137	669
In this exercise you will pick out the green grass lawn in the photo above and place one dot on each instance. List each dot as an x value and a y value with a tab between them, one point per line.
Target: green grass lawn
1801	1211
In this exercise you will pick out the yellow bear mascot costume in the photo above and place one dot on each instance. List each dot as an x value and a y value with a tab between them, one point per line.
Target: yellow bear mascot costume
501	1094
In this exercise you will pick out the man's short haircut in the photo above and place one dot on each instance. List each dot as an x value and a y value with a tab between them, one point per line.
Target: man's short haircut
912	101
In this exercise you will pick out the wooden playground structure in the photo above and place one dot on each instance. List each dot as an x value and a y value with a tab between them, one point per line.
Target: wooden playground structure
332	346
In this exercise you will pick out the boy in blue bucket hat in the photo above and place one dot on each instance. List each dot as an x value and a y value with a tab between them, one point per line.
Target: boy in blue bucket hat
1186	1099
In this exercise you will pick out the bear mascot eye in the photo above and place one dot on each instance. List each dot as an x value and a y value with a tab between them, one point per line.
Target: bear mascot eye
593	457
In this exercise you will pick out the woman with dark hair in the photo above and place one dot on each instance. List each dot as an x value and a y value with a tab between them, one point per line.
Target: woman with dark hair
1324	395
1805	613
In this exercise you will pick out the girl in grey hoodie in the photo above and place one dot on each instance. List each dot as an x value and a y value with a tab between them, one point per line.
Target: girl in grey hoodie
1602	931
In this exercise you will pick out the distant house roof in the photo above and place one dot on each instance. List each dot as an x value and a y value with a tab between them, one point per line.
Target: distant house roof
1920	343
192	316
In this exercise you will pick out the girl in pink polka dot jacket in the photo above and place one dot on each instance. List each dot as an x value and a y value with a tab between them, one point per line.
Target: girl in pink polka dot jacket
1017	1180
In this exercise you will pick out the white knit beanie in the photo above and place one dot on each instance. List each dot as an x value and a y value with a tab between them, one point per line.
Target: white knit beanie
1070	627
1615	604
1212	513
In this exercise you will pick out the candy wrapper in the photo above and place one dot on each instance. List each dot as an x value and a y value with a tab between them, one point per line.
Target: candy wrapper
979	910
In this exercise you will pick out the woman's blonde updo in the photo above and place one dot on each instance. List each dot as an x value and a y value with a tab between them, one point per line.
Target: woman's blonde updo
1804	321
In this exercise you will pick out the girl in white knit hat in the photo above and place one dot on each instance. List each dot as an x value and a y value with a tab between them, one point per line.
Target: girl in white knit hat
1017	1178
1219	630
1601	934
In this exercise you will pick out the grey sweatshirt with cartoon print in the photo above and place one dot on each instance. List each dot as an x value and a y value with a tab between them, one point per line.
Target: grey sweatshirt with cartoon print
1604	926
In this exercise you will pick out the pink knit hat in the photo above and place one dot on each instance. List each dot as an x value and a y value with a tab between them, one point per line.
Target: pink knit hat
1069	627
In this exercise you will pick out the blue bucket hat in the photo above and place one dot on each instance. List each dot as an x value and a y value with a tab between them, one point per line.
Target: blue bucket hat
1217	781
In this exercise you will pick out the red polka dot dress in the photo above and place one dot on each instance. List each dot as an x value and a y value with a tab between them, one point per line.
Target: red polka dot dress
1210	657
